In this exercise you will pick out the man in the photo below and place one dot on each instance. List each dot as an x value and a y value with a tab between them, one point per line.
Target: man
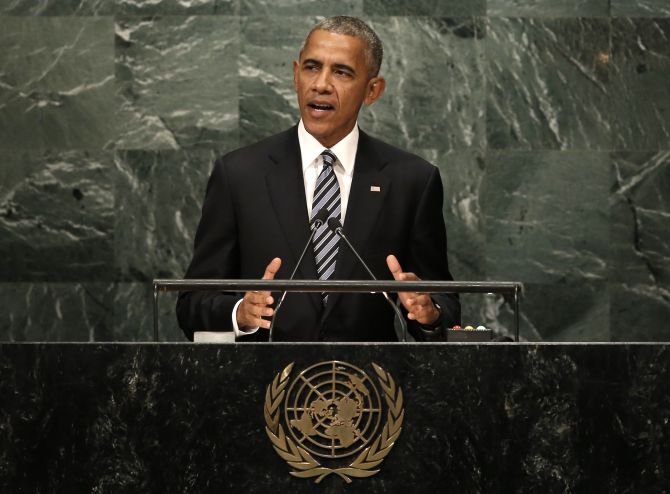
256	214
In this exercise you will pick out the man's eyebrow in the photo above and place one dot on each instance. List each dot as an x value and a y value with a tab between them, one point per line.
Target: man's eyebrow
345	67
311	61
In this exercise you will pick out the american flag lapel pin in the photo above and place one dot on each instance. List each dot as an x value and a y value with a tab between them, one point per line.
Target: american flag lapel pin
375	188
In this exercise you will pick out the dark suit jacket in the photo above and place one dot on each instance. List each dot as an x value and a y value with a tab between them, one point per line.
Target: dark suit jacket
255	210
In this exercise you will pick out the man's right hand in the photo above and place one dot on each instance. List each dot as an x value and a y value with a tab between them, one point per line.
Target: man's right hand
254	305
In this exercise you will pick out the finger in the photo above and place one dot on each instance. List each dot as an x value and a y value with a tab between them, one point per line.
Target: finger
271	269
419	304
394	267
420	300
258	298
418	312
259	310
252	315
410	277
425	301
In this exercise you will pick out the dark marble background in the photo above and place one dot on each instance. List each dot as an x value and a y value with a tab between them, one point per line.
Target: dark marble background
549	119
496	418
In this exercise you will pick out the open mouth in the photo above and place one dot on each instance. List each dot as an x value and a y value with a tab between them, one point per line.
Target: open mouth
321	106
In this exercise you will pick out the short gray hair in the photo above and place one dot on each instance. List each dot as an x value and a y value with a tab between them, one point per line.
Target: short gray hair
353	26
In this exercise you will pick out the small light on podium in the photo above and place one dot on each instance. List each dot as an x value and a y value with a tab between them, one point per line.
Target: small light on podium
469	334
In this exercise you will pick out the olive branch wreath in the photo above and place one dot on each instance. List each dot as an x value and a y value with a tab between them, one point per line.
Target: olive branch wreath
303	463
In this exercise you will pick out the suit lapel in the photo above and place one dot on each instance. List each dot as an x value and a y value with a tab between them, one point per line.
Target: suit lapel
286	189
369	188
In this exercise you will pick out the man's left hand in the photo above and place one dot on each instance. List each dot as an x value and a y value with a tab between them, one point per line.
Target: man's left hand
420	306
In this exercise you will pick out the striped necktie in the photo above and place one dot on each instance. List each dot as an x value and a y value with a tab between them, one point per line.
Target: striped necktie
326	195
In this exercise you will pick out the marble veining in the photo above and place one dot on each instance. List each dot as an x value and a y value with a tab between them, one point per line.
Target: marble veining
301	7
463	175
56	216
640	257
641	94
159	196
56	312
133	314
640	8
56	82
58	7
435	101
547	8
541	226
178	7
176	83
530	63
268	47
434	8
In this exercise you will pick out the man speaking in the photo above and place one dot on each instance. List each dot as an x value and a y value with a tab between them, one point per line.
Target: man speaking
261	201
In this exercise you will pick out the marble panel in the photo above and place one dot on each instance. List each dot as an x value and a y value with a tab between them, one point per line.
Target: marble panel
463	177
547	8
268	47
177	87
56	216
547	216
134	317
566	311
435	8
56	82
58	7
178	7
640	255
158	196
640	218
639	312
301	7
640	8
548	83
640	92
56	312
435	87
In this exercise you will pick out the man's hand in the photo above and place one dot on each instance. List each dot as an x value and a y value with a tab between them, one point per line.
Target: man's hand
420	306
254	305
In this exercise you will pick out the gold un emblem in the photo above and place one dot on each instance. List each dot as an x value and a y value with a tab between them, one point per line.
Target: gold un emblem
331	413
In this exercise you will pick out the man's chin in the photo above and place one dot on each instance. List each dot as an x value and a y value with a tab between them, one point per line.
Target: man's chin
319	131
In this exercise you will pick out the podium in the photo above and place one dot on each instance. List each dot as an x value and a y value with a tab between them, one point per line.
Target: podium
496	417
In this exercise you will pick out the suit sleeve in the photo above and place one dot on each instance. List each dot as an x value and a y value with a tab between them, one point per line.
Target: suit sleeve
428	253
215	255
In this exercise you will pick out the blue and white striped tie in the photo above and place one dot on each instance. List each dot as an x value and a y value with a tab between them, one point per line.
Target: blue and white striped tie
326	195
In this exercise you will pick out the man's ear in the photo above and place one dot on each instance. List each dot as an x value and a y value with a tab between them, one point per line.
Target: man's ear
296	68
376	87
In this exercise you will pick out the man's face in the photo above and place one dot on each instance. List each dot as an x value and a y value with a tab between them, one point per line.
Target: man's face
332	82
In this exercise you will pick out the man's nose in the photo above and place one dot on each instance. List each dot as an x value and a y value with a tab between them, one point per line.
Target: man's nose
323	83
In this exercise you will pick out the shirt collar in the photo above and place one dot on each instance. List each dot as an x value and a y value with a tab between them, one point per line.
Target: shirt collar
345	150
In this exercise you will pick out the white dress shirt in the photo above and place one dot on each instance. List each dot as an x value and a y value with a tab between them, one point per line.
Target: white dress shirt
312	163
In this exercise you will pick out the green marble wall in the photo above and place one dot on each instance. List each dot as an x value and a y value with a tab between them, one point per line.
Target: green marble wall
550	121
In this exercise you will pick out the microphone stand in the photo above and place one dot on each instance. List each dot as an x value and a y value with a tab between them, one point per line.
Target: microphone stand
318	222
335	225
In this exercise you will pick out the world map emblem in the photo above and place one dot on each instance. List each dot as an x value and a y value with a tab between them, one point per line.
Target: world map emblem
332	419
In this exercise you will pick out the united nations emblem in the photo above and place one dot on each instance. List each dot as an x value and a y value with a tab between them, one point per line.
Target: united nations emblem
327	420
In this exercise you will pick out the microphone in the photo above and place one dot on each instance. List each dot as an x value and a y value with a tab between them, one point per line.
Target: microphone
335	225
317	222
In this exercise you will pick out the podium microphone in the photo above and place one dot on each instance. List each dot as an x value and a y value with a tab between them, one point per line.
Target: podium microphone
335	225
318	221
